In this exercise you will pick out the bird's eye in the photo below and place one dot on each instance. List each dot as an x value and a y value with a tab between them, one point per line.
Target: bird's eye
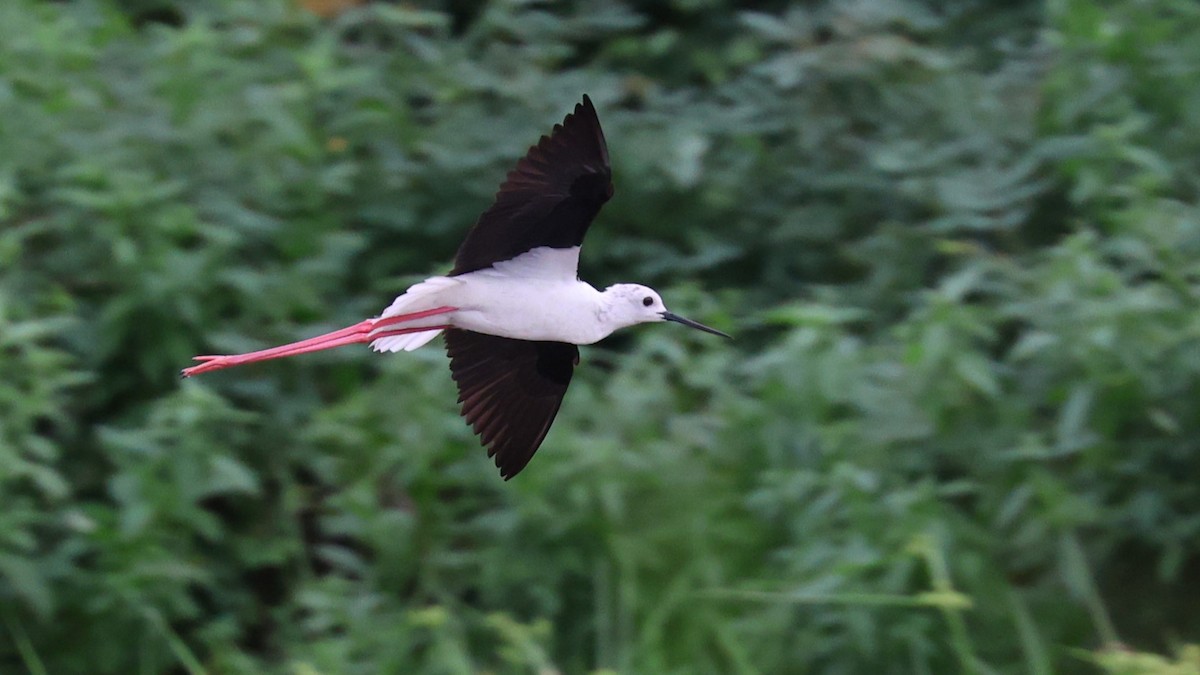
647	301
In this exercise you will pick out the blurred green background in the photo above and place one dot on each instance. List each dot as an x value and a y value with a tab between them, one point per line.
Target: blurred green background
958	431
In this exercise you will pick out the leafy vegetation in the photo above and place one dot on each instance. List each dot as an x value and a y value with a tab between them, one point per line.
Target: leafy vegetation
958	430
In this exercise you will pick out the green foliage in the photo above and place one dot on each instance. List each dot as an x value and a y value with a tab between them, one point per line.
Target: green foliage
957	242
1124	662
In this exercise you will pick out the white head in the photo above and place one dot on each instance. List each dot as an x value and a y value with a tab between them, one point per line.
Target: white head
630	304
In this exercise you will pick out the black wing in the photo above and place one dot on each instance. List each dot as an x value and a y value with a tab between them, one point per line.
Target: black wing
510	391
549	199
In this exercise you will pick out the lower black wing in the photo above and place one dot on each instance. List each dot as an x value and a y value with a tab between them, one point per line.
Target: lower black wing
510	391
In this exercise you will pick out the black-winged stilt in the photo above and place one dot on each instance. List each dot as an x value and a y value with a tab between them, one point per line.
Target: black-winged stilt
513	308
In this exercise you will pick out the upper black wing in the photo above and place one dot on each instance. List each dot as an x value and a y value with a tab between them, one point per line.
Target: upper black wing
510	391
549	199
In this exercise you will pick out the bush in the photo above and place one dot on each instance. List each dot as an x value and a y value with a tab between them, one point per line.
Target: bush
957	244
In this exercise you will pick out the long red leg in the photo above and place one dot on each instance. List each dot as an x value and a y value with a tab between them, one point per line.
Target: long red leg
363	331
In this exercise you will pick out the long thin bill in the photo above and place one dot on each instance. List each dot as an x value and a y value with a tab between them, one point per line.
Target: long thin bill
693	324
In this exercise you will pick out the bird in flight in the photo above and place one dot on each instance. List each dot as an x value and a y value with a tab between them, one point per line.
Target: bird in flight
513	309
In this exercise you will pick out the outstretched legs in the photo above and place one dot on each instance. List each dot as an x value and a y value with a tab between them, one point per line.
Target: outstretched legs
363	331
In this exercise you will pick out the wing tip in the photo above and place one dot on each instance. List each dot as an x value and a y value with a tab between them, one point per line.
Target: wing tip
569	162
583	109
585	112
511	468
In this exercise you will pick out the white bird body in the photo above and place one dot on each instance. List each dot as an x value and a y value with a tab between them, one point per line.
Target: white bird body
535	296
513	308
516	308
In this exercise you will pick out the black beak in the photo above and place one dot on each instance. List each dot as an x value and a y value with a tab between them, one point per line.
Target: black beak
668	316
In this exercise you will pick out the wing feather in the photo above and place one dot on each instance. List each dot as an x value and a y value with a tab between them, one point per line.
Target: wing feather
510	391
549	199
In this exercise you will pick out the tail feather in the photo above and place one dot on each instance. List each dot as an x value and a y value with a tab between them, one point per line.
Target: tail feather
420	296
417	297
405	343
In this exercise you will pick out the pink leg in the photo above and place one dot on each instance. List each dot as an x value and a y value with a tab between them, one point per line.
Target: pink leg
363	331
